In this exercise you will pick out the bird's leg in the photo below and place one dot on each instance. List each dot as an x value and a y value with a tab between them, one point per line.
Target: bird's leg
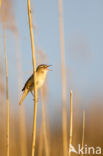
33	96
37	100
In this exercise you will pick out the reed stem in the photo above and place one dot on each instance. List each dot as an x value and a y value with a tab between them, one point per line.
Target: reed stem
0	3
22	120
83	131
44	128
63	68
7	97
34	71
41	142
71	123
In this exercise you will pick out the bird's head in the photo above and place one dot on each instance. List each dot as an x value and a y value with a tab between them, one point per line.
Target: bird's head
43	68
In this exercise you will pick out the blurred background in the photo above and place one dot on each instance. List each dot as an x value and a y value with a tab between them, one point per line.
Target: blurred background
83	40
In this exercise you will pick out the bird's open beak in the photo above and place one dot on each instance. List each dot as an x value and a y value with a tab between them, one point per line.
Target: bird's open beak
48	67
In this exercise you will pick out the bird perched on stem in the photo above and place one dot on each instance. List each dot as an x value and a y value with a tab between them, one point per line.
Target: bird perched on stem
41	73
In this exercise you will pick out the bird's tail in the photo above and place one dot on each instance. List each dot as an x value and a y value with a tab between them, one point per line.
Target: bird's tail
23	96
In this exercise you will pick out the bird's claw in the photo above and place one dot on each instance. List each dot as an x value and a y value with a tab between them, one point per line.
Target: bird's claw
36	100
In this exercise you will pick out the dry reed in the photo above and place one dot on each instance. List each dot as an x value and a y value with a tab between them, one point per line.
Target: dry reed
71	123
43	94
63	67
3	124
83	131
34	72
46	144
41	142
7	16
7	97
0	3
22	122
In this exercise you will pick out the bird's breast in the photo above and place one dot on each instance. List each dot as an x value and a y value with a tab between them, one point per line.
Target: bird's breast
40	80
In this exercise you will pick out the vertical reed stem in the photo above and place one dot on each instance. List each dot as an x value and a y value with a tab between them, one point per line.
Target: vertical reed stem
34	71
63	67
0	3
83	130
7	97
22	120
41	142
46	146
71	122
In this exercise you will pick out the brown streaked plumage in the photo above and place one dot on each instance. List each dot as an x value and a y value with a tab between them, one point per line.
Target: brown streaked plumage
41	73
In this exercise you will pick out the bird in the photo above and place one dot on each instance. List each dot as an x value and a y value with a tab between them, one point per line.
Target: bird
41	73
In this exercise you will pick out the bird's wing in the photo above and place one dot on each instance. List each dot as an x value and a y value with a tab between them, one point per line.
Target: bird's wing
28	83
